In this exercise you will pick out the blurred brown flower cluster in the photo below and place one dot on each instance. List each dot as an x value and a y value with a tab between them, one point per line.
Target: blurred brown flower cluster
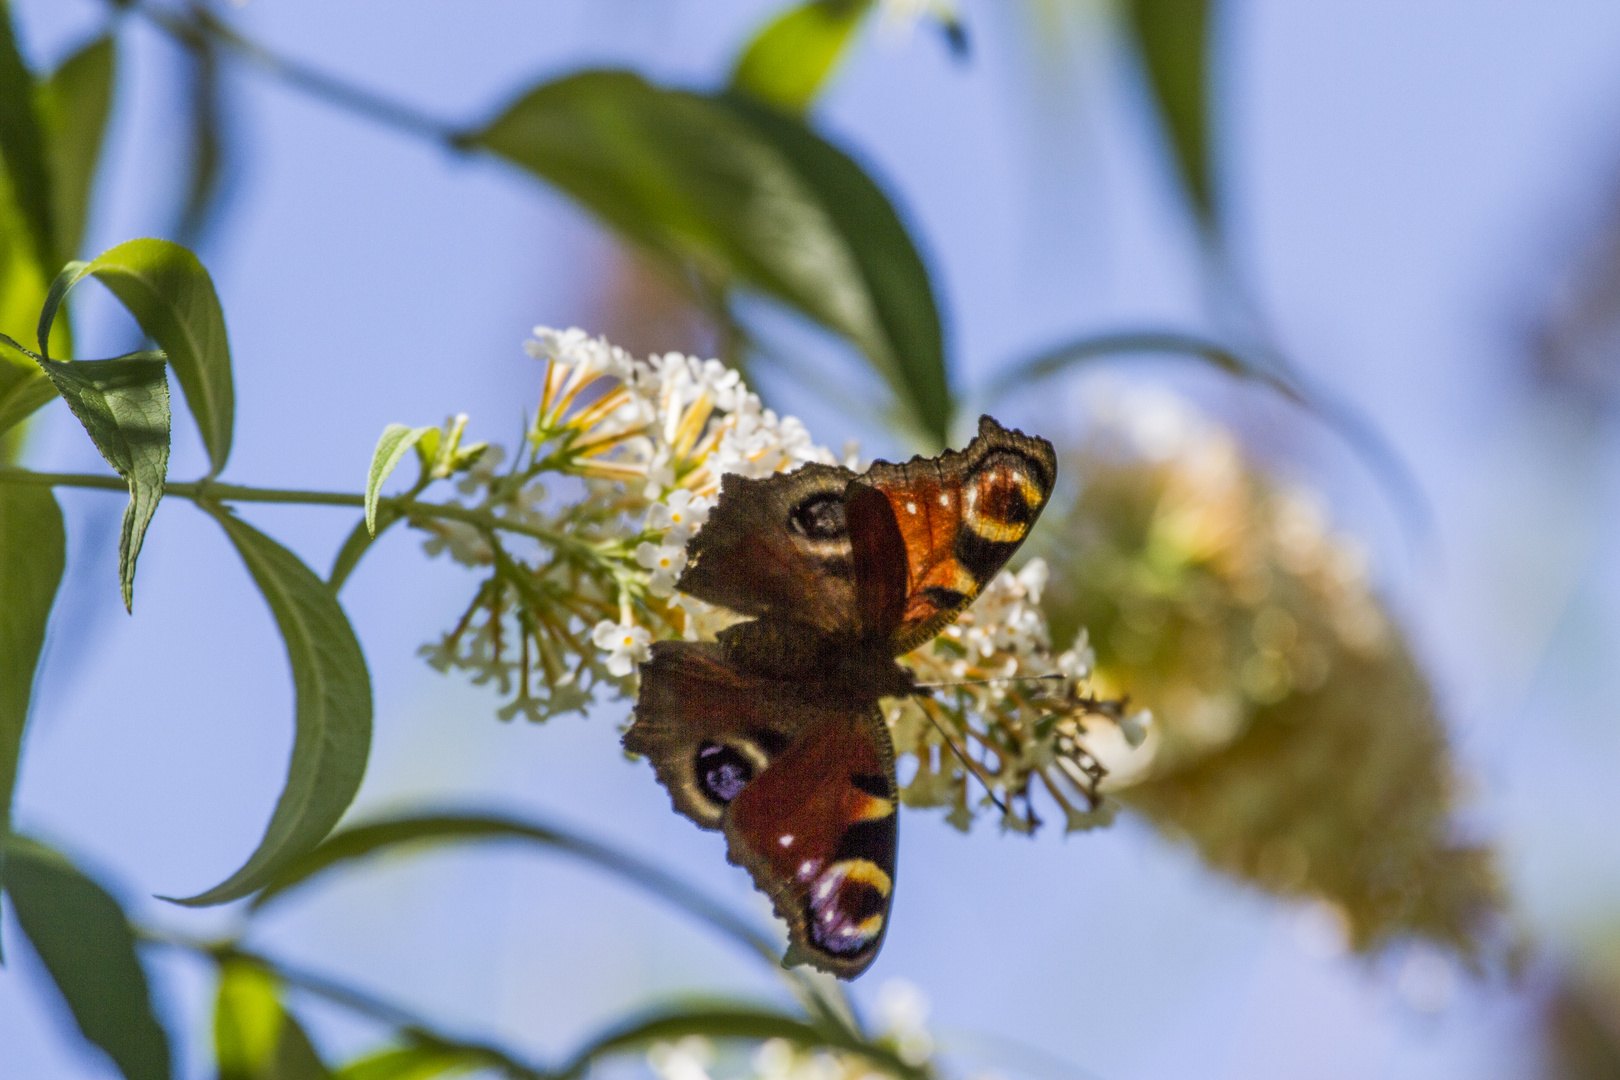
1296	743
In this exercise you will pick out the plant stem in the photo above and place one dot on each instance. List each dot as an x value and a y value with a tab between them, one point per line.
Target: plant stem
301	77
214	491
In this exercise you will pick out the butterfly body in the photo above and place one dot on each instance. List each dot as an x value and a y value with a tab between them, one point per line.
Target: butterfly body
773	733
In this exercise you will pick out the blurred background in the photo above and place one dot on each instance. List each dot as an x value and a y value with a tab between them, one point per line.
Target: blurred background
1417	205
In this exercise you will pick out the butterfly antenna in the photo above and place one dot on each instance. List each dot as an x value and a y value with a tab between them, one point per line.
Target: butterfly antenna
987	682
961	754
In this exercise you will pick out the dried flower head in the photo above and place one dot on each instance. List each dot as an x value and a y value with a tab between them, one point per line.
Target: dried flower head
1296	742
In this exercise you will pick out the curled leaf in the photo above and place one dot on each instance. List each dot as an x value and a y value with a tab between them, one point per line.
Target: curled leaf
124	406
172	297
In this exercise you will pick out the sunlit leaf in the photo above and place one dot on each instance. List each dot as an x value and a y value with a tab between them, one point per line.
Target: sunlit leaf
172	297
124	405
413	1063
255	1038
74	104
22	145
1173	38
85	942
730	192
32	545
733	1022
396	442
333	689
787	62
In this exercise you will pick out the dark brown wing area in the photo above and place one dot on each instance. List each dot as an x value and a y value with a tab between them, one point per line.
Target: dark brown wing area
709	728
779	547
818	832
960	516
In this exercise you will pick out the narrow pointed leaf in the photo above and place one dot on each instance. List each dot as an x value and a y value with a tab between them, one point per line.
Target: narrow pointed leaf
22	146
1173	39
124	405
732	193
172	297
355	546
791	57
85	942
23	398
333	712
32	546
396	442
1382	460
413	1063
74	105
394	834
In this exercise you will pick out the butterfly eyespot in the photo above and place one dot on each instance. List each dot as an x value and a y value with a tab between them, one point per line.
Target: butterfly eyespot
846	906
722	771
820	517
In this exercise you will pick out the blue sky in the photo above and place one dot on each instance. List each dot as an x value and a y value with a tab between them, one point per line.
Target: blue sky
1406	184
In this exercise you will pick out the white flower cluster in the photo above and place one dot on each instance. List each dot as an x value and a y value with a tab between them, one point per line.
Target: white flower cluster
676	424
997	662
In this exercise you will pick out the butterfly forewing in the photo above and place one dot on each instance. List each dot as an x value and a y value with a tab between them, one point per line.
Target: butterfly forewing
960	517
778	547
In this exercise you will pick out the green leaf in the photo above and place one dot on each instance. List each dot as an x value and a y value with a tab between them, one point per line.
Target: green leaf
74	105
728	192
413	1063
85	942
396	442
333	690
247	1020
172	297
124	405
1172	37
23	398
792	56
907	347
255	1038
355	546
361	841
32	546
22	145
734	1022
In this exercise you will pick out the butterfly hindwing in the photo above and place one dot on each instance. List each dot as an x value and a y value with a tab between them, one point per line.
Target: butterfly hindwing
960	516
778	546
708	727
818	832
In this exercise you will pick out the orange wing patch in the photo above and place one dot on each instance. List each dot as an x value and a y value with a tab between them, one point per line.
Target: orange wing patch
961	516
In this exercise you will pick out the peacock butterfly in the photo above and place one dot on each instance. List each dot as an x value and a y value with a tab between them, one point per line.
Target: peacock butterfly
772	734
